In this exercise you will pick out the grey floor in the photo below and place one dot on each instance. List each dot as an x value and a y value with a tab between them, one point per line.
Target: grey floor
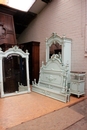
81	108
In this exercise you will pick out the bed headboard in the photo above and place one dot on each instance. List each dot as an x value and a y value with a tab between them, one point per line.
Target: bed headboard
54	72
53	79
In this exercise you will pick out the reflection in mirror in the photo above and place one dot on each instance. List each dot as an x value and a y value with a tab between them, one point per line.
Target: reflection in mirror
55	49
14	74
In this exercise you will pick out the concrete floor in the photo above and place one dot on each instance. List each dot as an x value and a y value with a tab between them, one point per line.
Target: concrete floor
81	108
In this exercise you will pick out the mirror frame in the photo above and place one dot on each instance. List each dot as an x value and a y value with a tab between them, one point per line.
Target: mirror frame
14	50
53	40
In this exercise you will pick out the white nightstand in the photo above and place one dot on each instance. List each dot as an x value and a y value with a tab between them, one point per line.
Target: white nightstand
77	85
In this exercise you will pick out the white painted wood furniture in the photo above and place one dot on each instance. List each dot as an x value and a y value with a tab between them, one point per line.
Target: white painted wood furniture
53	80
14	51
65	44
77	85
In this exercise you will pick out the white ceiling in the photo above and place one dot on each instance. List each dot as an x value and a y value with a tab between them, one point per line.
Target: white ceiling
37	6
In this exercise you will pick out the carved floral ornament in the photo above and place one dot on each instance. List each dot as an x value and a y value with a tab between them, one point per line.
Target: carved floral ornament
15	48
55	39
4	31
15	51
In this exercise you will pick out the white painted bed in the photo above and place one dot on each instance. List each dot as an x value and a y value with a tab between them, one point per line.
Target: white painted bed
53	80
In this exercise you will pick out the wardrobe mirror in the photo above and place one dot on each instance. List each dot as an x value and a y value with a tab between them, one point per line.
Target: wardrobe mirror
55	49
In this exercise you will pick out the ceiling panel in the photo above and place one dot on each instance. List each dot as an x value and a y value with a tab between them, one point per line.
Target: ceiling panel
23	19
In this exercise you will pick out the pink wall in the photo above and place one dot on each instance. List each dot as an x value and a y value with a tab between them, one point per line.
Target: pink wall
65	17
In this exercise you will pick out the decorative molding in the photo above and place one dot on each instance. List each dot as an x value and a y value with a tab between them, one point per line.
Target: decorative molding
53	80
65	55
18	52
